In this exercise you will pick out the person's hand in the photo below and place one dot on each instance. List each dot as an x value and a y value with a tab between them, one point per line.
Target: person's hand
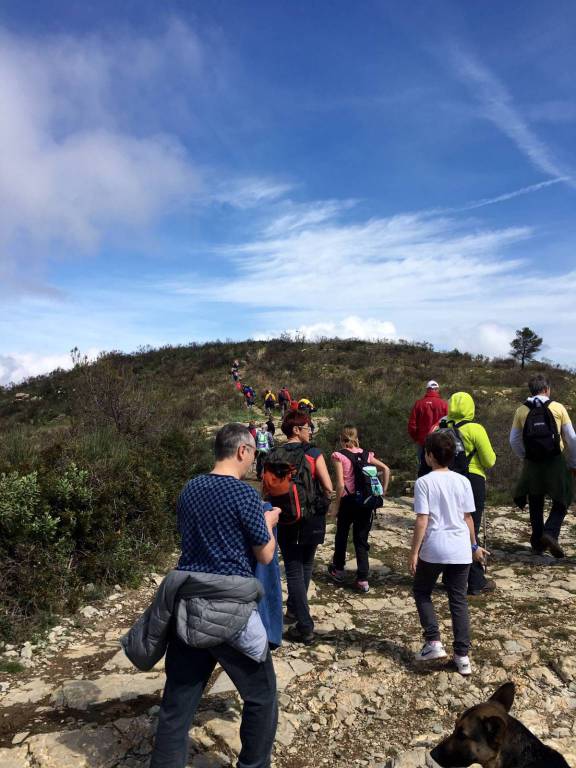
272	515
413	562
480	555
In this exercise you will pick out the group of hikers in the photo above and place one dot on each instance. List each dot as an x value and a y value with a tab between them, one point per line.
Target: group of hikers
223	603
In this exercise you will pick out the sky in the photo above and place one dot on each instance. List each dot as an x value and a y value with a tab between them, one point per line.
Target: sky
188	170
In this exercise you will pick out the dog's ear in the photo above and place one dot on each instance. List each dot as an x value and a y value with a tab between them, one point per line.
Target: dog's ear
504	695
495	730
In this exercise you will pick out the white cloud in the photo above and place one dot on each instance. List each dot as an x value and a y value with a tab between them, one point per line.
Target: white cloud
498	107
491	339
16	367
351	327
73	171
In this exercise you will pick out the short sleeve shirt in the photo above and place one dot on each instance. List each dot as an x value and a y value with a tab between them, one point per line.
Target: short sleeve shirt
348	469
220	519
556	409
445	497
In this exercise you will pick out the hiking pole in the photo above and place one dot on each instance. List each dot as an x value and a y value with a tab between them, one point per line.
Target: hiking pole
484	526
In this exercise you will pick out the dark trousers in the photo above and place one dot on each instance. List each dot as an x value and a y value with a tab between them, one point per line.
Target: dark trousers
456	580
260	459
298	564
353	515
477	579
553	523
187	673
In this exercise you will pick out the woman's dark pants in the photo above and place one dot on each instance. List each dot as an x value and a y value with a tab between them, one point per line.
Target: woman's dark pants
353	515
298	564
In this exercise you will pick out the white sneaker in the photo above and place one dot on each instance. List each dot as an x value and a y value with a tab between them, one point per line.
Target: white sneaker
431	650
463	665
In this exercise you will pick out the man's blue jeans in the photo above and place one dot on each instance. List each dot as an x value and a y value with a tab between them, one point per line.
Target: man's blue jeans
187	673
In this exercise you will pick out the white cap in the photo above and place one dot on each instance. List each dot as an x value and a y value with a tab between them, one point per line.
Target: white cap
432	384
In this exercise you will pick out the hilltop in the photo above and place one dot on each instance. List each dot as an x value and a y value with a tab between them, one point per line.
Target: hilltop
92	459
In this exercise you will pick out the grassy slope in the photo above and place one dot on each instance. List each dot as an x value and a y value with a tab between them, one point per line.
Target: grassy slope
126	432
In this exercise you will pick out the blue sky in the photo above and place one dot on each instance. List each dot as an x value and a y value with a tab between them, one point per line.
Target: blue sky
192	170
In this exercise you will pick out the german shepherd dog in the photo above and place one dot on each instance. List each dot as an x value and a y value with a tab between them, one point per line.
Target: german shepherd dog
486	734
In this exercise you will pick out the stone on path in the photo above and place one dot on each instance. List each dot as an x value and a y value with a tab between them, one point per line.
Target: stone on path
89	747
30	693
14	758
82	694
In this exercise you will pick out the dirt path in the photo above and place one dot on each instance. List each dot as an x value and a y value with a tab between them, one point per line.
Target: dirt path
355	698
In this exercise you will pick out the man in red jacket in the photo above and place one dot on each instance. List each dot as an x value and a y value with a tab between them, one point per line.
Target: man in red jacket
426	413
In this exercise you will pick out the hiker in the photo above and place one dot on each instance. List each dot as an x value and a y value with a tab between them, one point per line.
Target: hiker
443	542
225	533
425	415
284	400
264	444
252	429
270	426
306	406
540	432
303	518
474	455
269	401
235	371
249	396
359	494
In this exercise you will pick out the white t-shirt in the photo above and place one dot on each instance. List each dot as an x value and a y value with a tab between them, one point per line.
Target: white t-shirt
445	497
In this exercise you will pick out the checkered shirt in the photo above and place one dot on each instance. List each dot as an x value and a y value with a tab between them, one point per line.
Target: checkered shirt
220	519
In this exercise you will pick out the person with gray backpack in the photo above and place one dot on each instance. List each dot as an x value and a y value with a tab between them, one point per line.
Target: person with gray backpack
541	432
359	492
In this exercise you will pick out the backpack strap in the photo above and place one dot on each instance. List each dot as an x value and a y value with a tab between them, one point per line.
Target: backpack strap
357	460
461	424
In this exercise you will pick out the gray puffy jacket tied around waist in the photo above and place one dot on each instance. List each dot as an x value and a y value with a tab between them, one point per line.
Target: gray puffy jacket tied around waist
207	609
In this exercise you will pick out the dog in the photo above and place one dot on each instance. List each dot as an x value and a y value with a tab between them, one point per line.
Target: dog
486	734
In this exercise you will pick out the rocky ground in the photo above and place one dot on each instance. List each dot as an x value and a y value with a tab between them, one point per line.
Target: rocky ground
354	698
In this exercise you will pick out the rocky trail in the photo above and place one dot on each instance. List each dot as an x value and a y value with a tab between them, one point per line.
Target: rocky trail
354	698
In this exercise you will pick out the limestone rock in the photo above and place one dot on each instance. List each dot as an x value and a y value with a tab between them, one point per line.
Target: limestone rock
81	694
88	747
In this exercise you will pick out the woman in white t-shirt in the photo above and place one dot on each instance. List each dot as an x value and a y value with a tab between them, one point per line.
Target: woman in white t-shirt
443	542
352	513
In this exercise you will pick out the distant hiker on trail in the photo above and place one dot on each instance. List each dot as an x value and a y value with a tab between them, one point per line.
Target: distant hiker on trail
207	609
269	401
235	370
540	431
270	426
264	444
425	415
443	542
238	384
296	479
474	455
284	400
359	493
305	405
249	396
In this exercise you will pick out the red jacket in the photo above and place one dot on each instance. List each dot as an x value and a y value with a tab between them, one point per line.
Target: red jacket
425	414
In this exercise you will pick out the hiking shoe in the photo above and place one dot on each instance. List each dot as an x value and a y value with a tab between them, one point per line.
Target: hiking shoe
293	635
490	586
432	649
550	543
336	574
361	586
463	665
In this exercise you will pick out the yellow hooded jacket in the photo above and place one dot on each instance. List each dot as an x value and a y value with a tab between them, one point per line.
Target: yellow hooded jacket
474	436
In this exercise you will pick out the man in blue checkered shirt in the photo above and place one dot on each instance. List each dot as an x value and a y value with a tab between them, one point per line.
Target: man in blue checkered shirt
224	531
